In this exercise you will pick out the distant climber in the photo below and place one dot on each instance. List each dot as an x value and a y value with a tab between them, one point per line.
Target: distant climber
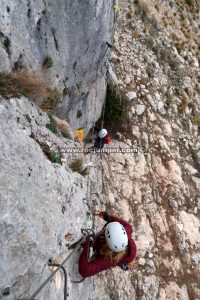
102	138
113	247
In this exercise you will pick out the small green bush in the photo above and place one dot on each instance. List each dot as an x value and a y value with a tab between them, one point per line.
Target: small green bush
115	114
142	11
116	105
56	158
189	2
168	97
149	42
48	62
7	44
25	94
177	77
151	70
166	56
52	127
155	49
52	156
153	27
50	117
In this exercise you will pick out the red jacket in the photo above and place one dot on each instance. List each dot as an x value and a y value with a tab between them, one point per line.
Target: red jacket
99	264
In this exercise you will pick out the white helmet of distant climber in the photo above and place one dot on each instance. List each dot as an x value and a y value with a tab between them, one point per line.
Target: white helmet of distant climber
116	236
102	133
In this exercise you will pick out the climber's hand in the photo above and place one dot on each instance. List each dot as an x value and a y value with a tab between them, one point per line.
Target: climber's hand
99	214
130	265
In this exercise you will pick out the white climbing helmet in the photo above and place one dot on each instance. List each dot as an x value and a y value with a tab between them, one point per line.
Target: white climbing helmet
116	236
102	133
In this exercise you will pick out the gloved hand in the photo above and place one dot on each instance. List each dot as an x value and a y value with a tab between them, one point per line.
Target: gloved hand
91	252
102	214
99	214
124	267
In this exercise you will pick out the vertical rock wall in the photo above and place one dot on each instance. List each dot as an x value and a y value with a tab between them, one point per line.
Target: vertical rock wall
40	202
73	34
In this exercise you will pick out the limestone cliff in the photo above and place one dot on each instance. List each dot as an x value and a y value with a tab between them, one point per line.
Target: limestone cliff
40	201
72	35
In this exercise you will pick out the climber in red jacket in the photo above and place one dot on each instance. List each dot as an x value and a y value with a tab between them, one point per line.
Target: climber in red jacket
113	247
103	137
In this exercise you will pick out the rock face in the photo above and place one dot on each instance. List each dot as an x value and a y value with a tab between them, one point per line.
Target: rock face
167	264
73	35
39	201
157	189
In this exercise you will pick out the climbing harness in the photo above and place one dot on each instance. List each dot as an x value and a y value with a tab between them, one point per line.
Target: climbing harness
91	239
85	200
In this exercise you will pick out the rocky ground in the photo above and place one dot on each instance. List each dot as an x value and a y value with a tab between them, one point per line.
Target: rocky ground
158	188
